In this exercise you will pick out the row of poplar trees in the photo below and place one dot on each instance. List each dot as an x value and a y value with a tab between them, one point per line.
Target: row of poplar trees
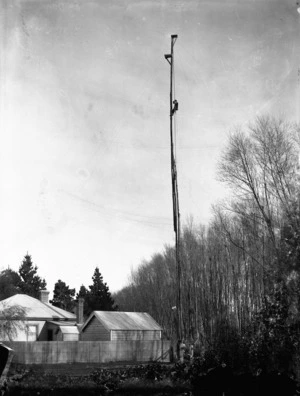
240	274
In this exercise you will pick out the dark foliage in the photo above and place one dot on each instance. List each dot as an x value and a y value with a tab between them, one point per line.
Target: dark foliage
157	378
9	283
223	380
98	297
63	296
30	283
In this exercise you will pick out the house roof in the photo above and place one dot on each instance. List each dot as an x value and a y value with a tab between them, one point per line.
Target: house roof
36	309
60	323
113	320
69	329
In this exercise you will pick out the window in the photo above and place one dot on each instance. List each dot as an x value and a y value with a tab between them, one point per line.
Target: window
31	332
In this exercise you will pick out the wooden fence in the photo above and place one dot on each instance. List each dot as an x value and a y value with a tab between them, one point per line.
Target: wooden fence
53	352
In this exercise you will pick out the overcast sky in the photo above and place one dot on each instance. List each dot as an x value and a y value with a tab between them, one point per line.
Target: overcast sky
84	151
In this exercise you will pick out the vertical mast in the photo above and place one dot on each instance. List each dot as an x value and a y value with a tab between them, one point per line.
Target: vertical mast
176	213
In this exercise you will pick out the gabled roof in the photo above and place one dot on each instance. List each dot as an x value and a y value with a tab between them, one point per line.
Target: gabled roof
36	309
113	320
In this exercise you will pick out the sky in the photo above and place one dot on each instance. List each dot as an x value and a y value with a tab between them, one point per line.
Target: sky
85	177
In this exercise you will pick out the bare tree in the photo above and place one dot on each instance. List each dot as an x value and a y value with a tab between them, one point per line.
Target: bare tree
260	166
230	266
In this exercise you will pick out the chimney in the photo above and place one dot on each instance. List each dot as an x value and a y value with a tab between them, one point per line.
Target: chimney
79	311
44	296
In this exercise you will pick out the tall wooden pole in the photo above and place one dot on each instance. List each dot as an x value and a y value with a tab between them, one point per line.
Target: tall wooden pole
176	213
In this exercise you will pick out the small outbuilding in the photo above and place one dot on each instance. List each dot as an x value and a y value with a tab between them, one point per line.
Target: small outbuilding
63	331
112	326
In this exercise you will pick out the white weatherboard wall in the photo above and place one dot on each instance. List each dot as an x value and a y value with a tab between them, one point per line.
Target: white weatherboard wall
28	331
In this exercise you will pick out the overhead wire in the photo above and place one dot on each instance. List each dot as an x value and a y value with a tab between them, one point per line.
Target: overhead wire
154	221
124	145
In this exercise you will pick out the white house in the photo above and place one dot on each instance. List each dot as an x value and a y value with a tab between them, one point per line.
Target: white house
43	321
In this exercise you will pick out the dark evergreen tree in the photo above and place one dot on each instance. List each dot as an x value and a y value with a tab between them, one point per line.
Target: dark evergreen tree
63	296
83	292
30	282
99	297
9	283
